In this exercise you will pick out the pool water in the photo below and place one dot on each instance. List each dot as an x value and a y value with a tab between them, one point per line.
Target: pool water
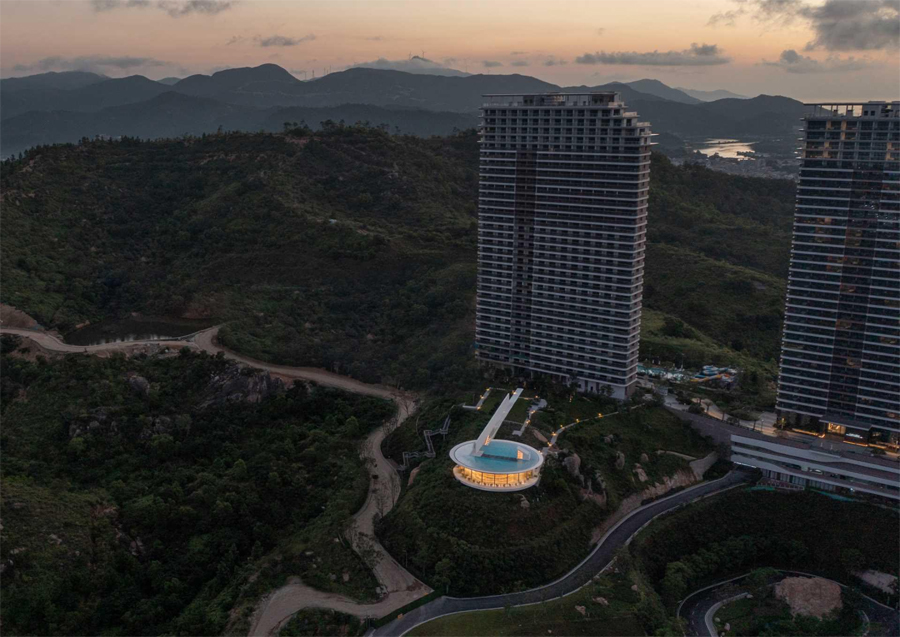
464	456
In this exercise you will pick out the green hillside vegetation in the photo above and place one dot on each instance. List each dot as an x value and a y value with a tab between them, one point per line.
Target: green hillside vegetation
737	532
139	496
642	431
316	622
355	250
621	616
471	542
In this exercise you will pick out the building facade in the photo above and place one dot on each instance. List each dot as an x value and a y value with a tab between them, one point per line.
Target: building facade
840	358
564	182
806	466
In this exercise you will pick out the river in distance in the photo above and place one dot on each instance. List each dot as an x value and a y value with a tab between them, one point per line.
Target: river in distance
726	148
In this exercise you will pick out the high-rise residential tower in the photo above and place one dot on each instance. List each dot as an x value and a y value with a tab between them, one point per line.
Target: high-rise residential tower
840	357
562	222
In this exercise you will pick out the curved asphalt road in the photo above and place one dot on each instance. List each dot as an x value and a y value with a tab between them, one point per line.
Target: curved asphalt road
601	556
696	605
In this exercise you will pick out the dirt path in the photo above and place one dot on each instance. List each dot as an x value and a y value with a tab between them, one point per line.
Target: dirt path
50	342
400	586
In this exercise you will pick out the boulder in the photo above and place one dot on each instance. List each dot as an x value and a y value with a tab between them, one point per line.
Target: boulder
608	439
345	576
581	609
412	476
139	384
524	503
602	601
641	474
634	587
645	457
573	465
620	460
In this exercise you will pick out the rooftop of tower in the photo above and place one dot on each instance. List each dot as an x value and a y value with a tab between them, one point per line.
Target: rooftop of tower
583	98
853	109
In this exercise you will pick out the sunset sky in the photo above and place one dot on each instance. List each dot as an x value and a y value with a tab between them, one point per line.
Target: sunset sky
811	50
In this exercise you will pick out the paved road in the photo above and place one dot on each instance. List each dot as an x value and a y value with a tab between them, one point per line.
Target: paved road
697	605
601	556
701	603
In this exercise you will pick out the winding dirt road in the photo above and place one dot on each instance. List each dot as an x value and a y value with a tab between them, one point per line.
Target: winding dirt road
399	585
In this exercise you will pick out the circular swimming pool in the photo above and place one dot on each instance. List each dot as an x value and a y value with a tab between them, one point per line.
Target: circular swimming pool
505	465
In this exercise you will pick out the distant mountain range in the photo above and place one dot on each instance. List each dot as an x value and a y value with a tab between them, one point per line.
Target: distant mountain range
64	107
711	96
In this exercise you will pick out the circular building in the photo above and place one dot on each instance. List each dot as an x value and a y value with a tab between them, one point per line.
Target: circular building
503	465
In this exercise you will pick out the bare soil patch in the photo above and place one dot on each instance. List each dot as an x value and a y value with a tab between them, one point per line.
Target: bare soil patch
11	317
812	596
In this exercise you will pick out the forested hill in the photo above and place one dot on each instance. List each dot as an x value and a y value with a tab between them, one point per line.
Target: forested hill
353	249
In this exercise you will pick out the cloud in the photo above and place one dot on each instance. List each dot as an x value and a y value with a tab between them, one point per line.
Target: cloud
793	62
518	52
726	18
175	8
179	8
552	61
855	25
235	39
109	5
601	31
519	63
375	38
491	64
282	40
90	63
837	25
777	10
697	55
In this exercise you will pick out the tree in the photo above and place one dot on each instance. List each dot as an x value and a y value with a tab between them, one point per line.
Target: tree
852	560
444	571
758	582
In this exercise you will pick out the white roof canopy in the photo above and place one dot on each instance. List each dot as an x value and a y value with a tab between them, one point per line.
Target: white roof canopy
496	420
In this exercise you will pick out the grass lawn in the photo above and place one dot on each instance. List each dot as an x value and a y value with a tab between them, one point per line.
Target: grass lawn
519	411
562	410
645	427
493	399
558	616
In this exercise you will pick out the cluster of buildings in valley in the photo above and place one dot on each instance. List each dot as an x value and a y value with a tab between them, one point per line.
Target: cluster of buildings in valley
564	186
749	166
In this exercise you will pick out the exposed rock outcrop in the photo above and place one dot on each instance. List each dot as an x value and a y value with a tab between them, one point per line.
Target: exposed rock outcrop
96	421
240	384
139	384
641	473
160	425
573	465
